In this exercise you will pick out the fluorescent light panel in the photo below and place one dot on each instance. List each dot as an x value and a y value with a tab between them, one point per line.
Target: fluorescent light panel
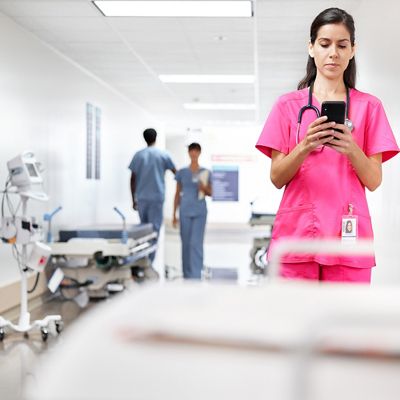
219	106
187	8
207	78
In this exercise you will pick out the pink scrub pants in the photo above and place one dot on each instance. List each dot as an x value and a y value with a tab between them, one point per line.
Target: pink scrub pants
328	273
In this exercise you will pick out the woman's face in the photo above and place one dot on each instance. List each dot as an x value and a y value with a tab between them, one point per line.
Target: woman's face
194	155
332	50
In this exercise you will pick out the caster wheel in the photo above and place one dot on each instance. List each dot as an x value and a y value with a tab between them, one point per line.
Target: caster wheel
2	334
59	326
45	334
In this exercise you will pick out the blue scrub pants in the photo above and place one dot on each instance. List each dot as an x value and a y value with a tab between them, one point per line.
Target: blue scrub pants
192	236
151	212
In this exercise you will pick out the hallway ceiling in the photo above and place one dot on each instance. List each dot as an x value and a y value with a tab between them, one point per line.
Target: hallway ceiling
130	52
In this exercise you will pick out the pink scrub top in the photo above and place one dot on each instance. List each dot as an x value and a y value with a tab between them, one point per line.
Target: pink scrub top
317	197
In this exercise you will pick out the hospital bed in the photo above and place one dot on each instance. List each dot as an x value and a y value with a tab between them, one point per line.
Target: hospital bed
102	259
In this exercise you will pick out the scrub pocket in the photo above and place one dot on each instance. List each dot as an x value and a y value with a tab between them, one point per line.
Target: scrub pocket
295	222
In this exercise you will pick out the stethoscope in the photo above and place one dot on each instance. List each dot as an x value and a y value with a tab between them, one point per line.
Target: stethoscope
310	106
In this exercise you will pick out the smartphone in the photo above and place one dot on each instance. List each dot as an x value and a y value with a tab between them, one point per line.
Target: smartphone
335	111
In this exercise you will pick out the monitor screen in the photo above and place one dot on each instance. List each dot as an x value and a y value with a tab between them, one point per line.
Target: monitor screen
32	170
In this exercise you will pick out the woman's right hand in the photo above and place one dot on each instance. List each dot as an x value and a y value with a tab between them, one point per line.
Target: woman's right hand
175	221
318	133
285	166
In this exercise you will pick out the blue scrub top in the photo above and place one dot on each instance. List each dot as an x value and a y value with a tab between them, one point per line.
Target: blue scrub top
149	166
190	205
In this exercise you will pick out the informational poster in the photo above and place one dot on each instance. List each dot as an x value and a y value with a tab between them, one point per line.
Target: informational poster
225	183
89	141
93	141
98	143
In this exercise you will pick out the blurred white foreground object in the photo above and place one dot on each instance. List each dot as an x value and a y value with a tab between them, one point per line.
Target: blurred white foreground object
286	341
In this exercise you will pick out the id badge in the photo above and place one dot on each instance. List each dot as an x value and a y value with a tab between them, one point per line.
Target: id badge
349	228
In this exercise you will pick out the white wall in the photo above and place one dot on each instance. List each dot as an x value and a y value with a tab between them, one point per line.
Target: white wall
378	59
43	108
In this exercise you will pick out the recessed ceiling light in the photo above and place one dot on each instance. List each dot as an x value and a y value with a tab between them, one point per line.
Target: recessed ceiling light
207	78
220	38
228	122
219	106
187	8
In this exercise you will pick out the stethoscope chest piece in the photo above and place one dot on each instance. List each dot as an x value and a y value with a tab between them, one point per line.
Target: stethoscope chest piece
349	124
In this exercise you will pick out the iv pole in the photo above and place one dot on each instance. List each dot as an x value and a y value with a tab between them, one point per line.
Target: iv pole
24	325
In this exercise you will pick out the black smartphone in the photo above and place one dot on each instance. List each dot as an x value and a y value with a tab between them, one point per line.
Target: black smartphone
335	111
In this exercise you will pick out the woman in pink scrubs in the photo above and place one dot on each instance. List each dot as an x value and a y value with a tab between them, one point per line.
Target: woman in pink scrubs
325	171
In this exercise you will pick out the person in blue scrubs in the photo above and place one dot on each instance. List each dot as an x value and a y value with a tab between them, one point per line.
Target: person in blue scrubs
193	183
148	168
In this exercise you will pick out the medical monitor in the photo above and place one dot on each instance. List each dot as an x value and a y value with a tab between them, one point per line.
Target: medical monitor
32	171
24	171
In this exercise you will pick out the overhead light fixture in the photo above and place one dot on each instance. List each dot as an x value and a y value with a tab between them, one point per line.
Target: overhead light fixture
187	8
207	78
219	106
220	38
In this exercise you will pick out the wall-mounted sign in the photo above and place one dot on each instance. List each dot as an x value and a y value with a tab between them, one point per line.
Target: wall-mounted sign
93	141
225	183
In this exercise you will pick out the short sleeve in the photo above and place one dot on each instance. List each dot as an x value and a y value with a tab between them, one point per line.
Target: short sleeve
134	163
379	135
275	134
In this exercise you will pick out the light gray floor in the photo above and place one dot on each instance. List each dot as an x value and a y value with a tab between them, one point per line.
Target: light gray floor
225	246
18	354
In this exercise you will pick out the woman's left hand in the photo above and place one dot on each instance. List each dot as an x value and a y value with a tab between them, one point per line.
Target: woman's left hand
343	141
202	187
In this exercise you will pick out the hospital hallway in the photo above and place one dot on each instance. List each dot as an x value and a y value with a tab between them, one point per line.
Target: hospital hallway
177	222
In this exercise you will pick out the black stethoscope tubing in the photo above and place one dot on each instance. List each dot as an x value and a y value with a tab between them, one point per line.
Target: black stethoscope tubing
310	106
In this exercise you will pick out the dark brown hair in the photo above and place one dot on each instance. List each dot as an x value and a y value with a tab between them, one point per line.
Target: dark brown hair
331	16
194	146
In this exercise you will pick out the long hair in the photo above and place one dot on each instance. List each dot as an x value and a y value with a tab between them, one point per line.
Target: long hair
331	16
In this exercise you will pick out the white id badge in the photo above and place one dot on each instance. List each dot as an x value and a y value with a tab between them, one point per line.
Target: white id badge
349	228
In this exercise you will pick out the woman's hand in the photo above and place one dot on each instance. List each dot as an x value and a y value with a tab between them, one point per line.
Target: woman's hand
285	166
206	189
202	187
368	169
319	132
343	142
175	221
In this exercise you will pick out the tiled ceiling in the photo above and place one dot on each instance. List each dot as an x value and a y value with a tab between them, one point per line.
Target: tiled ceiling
129	53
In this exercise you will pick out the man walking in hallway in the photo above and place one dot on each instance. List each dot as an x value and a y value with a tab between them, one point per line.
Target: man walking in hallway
148	168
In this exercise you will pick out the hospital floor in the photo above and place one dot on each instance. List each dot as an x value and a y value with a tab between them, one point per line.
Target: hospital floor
18	354
225	248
